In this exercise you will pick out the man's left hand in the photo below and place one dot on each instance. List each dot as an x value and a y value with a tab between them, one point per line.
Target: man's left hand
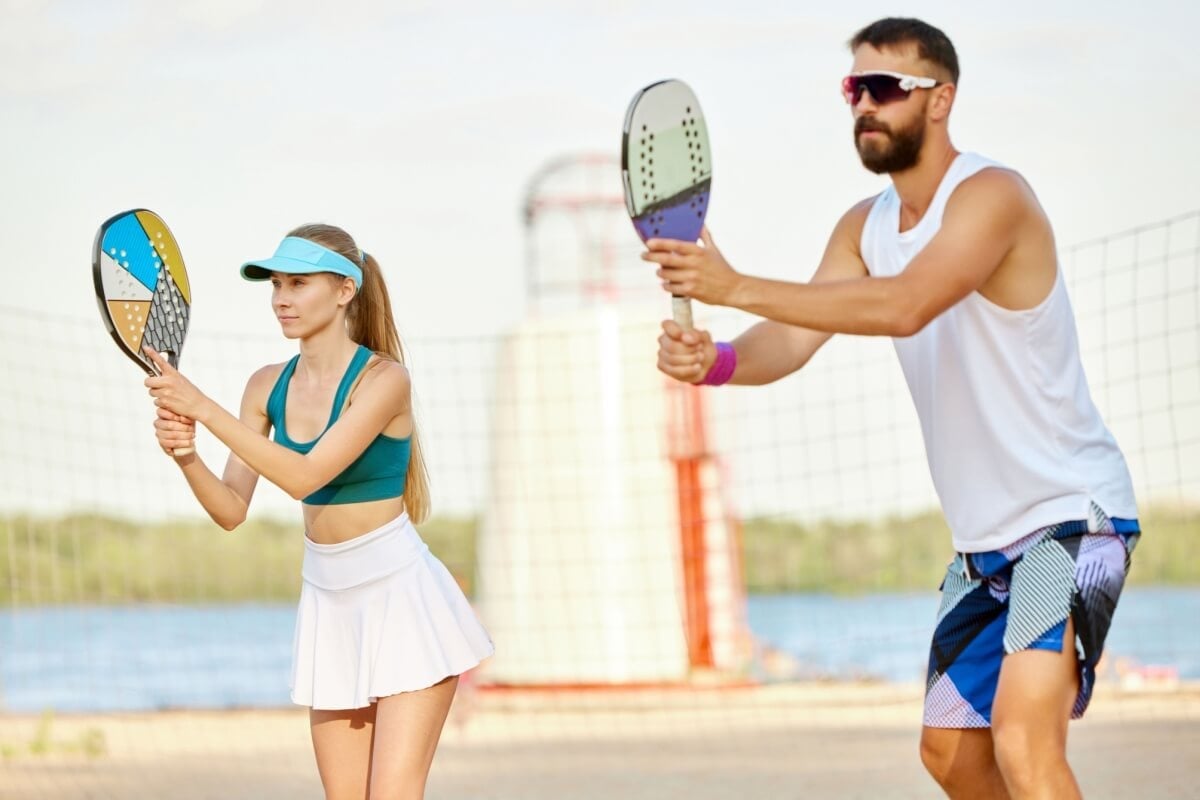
698	271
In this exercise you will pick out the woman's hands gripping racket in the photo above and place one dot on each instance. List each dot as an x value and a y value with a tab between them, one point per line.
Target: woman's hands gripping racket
666	169
142	289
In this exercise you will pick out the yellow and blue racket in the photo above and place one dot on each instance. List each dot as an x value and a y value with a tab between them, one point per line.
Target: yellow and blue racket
142	288
666	169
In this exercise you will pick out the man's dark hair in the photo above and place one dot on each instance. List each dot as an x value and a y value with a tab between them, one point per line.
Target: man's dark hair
932	45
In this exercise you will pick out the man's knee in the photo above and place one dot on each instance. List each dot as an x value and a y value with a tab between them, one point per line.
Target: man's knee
1011	744
1024	754
941	754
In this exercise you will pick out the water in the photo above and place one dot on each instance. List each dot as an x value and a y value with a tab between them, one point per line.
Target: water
118	658
154	657
886	636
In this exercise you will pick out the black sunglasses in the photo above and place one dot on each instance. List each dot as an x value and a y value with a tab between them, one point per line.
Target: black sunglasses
884	87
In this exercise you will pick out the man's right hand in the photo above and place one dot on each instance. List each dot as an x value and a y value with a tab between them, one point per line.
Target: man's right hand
685	355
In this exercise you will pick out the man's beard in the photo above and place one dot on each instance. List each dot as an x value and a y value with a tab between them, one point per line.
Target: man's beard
898	153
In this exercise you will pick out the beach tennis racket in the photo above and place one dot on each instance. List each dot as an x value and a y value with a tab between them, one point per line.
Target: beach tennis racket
142	288
666	169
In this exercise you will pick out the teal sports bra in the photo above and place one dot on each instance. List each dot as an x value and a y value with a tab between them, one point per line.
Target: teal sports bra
377	474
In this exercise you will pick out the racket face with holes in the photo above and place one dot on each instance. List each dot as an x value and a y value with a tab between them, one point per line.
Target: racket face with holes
666	162
142	286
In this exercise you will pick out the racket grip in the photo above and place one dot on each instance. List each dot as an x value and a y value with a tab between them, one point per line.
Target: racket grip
179	452
681	311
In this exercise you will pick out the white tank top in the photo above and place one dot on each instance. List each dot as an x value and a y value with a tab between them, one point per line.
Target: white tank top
1013	438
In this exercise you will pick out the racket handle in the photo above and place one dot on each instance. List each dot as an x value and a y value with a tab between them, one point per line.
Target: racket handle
681	311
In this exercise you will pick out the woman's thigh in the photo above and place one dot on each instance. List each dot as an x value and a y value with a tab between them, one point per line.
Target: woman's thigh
407	729
342	742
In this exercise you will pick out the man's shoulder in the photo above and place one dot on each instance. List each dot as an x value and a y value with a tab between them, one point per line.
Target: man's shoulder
995	201
992	186
996	176
988	174
850	227
856	216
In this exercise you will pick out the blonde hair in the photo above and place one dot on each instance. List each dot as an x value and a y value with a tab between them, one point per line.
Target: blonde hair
369	322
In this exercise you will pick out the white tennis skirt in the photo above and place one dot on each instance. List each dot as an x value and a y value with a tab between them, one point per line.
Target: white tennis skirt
379	615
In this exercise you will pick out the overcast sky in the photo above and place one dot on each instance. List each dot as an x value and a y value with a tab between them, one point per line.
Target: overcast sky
417	126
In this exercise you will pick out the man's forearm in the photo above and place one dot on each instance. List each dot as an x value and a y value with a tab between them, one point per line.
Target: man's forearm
772	350
862	306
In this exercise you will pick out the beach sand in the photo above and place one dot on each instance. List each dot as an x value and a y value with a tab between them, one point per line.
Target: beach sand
778	741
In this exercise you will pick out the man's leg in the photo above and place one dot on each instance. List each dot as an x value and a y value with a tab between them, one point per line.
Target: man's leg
1064	591
962	762
1033	705
964	669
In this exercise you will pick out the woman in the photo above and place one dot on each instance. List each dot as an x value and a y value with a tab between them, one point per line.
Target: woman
382	631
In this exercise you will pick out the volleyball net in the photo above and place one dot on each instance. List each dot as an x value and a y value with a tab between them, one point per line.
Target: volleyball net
688	582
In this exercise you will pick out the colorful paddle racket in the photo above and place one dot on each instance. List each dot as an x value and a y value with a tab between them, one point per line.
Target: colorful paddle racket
142	288
666	167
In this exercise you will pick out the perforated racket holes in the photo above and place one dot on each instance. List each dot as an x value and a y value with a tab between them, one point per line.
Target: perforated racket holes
133	316
657	221
647	148
693	136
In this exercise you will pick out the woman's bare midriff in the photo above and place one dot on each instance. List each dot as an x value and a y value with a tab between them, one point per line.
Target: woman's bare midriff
340	523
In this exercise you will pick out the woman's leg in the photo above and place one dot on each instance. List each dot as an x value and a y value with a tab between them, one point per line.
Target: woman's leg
407	729
342	743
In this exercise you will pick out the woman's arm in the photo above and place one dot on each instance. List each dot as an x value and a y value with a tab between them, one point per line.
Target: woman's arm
226	499
380	397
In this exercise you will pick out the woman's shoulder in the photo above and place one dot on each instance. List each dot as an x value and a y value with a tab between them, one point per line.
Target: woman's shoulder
268	374
257	394
263	379
385	371
383	377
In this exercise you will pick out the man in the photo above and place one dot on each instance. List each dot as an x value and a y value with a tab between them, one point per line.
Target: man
956	261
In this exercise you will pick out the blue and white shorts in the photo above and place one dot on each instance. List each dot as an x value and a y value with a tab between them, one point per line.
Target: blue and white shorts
1019	598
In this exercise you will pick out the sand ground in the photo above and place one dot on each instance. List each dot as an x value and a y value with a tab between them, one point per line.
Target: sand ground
782	741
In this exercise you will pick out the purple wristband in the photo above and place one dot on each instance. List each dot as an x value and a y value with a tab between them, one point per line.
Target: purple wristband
722	368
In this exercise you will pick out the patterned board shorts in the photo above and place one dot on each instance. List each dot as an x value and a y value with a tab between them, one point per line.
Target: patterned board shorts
1019	598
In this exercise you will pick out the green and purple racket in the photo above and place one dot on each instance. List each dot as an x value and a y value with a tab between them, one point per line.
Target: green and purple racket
142	288
666	169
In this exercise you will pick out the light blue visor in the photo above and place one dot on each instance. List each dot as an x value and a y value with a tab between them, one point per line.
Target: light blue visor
297	256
